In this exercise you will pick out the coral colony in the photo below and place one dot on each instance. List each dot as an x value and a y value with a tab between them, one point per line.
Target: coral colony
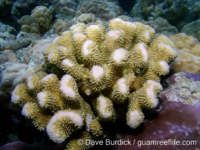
92	72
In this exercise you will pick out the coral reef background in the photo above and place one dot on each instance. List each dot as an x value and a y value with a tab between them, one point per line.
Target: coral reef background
41	39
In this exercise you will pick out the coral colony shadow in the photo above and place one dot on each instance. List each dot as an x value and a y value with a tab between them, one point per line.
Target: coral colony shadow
127	5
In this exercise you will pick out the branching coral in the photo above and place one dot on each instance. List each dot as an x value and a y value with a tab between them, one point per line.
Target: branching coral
96	72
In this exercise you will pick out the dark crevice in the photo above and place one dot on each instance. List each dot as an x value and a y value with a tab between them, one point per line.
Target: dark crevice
127	5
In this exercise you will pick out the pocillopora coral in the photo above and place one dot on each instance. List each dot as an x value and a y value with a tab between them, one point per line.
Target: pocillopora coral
93	71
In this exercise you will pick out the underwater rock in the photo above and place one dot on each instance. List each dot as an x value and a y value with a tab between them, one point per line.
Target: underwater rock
18	145
23	7
5	36
5	65
14	74
49	35
46	144
175	15
125	18
25	35
103	10
162	26
178	12
67	7
11	74
7	58
5	6
192	29
33	55
7	28
5	16
183	87
14	44
196	10
7	55
62	16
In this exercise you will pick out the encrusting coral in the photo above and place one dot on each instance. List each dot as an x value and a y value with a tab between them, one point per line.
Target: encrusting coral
93	71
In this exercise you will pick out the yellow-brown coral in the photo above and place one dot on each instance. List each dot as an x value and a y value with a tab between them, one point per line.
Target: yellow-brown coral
188	59
43	16
102	70
29	25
